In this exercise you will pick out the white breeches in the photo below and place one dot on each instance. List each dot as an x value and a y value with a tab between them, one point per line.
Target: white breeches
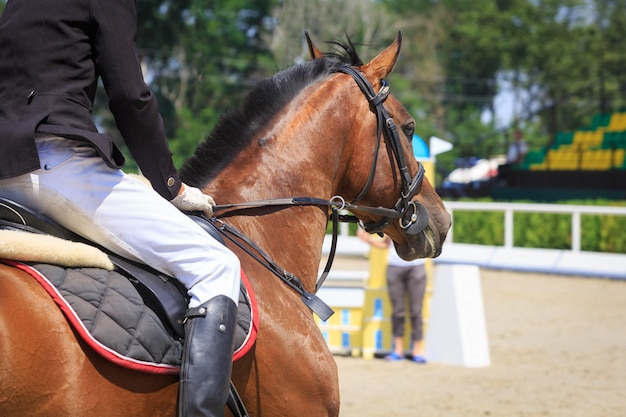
78	190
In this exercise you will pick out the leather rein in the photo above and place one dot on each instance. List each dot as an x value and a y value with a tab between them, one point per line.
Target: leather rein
412	216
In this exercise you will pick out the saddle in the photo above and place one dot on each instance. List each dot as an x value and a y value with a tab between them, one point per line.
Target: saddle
163	295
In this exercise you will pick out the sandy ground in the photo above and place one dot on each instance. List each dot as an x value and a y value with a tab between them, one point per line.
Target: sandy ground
557	345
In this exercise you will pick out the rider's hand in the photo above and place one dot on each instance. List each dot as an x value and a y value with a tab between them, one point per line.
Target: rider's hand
192	199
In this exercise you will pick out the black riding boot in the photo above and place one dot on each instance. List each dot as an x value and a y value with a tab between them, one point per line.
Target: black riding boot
207	358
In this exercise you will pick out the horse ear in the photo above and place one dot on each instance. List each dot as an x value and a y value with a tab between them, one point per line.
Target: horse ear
383	63
313	50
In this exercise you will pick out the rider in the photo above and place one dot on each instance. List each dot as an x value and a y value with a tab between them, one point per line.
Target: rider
52	53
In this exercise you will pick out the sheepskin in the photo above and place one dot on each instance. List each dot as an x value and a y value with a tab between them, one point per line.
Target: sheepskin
25	246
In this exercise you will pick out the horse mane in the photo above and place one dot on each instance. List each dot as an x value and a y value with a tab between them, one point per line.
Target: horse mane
234	131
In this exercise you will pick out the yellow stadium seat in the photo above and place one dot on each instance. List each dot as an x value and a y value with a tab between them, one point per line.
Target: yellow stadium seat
584	139
596	160
604	159
581	138
563	159
595	137
588	160
617	123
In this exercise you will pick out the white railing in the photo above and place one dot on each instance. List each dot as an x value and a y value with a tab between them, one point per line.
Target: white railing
510	208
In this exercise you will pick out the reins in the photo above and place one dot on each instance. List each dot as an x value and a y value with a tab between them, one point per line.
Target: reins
412	216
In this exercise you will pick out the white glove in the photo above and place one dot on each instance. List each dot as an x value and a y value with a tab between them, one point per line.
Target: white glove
192	199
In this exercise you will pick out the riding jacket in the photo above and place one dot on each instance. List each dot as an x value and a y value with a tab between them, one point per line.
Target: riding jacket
52	53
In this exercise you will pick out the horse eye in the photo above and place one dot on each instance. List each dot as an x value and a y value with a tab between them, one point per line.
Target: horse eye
408	130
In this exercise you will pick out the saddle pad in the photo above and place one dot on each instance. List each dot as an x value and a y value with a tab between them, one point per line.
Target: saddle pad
108	313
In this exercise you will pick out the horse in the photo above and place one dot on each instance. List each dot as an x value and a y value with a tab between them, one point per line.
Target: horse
326	129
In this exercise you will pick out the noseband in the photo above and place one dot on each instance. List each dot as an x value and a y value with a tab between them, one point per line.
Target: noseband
412	216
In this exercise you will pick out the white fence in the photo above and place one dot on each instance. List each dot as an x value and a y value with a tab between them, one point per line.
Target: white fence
510	208
571	262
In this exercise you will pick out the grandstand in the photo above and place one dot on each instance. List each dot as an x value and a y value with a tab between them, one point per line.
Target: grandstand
589	162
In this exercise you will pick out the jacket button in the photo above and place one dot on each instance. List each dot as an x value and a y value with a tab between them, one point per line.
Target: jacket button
170	181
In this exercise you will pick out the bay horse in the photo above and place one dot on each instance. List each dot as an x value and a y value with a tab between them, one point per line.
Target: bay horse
326	129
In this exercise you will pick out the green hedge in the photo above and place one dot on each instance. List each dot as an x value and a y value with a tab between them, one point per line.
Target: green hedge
599	233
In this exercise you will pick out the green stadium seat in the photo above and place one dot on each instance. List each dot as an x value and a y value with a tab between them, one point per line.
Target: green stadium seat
614	140
600	120
564	138
620	140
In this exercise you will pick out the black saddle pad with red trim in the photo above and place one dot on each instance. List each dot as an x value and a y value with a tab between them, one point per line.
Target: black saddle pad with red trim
109	314
132	315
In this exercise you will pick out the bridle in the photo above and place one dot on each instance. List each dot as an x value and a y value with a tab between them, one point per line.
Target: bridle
412	216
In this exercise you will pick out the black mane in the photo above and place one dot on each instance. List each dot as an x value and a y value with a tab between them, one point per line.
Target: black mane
234	131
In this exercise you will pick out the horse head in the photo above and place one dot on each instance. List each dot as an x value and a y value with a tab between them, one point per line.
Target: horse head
420	222
327	127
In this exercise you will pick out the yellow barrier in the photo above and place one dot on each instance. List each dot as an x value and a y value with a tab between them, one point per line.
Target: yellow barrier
343	330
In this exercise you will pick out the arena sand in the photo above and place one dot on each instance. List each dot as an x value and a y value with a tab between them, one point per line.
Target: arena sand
558	349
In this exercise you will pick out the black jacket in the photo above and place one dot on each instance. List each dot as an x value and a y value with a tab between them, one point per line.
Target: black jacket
52	53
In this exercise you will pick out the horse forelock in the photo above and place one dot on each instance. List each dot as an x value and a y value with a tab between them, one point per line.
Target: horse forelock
344	52
235	130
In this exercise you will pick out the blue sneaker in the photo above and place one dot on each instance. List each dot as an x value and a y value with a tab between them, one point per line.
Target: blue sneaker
419	359
393	357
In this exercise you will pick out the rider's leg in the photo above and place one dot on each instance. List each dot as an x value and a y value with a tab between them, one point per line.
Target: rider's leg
78	190
207	353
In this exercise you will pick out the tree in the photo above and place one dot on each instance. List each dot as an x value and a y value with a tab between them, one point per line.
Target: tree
372	26
563	60
366	22
454	59
199	59
609	32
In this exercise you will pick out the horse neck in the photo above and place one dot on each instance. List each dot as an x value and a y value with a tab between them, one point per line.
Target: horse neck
300	155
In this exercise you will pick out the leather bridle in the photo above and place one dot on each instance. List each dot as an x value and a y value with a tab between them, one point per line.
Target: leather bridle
412	216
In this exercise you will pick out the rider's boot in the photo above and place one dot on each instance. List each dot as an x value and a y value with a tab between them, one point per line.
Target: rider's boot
207	358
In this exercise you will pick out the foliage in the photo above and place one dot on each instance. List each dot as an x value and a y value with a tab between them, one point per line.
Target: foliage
364	21
603	233
542	230
192	129
481	228
561	61
199	59
203	54
599	233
